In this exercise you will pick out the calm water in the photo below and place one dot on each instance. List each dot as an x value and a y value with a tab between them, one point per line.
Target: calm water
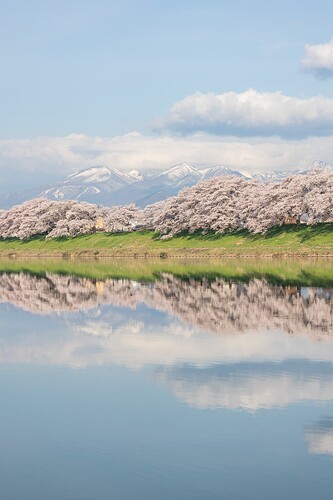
173	389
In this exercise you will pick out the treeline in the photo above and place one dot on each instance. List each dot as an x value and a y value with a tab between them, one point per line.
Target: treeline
220	204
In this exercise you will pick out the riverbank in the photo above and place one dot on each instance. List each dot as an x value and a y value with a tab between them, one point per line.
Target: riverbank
280	271
285	241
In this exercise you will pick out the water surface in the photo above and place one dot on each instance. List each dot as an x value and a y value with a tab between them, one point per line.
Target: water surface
133	382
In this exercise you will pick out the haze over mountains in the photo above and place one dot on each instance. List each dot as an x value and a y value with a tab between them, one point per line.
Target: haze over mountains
108	186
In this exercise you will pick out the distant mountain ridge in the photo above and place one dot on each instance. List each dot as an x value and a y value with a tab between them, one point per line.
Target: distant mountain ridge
109	186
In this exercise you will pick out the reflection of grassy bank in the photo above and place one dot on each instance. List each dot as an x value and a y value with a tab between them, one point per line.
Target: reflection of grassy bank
300	240
306	272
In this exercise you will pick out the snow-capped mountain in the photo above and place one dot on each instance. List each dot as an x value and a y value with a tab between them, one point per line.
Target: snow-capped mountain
320	164
109	186
181	175
111	176
159	186
279	175
219	170
94	182
94	185
270	176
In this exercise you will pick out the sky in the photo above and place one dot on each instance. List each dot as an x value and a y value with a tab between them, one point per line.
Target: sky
148	84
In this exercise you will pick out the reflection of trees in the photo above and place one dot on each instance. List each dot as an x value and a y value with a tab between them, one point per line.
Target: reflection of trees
320	438
232	371
216	306
48	294
223	306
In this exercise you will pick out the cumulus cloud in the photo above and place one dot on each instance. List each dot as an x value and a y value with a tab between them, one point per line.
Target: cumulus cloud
46	156
318	59
250	113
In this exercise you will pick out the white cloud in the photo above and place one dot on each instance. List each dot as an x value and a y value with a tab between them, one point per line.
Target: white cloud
318	59
62	155
250	113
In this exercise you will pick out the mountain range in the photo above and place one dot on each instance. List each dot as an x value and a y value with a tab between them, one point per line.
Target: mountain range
108	186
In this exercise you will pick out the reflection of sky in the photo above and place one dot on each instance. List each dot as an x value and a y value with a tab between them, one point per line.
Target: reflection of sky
83	433
320	437
250	386
253	370
186	420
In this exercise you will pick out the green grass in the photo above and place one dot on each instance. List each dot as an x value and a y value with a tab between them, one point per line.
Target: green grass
306	240
293	272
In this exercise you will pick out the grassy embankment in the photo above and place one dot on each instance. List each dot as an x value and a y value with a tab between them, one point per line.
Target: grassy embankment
288	240
292	271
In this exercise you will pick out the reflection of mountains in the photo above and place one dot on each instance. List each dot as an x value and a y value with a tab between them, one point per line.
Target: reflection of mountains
216	306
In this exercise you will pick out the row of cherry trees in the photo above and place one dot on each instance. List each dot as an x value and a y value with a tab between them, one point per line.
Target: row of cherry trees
56	219
229	203
219	204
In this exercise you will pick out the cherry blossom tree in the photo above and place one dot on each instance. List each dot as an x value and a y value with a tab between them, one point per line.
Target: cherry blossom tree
219	204
231	203
124	218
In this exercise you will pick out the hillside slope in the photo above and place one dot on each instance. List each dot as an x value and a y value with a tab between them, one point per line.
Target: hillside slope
287	240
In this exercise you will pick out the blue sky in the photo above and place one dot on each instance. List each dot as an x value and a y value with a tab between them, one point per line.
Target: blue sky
104	69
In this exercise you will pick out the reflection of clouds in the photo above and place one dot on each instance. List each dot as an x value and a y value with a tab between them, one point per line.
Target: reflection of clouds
133	344
125	322
140	343
253	388
320	438
250	371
